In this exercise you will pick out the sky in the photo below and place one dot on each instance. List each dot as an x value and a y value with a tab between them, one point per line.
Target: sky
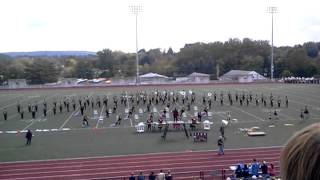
93	25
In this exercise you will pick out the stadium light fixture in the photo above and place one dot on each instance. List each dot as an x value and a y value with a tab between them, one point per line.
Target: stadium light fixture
136	10
272	10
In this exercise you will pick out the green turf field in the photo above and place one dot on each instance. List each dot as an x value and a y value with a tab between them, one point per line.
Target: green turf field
62	135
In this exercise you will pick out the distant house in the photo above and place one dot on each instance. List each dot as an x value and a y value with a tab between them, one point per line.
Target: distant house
198	77
152	78
242	76
17	83
68	81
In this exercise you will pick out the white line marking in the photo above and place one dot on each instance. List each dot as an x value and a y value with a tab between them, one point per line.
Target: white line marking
5	106
28	125
66	121
248	113
98	121
131	122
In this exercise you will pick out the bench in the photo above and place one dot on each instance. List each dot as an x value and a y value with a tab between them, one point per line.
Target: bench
200	137
256	133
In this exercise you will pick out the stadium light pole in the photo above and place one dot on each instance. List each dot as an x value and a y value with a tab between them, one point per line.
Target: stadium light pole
136	10
272	10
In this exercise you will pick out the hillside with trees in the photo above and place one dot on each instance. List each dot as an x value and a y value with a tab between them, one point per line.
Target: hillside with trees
300	60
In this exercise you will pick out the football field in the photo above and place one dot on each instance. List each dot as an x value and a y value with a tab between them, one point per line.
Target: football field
63	136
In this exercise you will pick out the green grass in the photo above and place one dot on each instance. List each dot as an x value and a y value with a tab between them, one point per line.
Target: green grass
107	140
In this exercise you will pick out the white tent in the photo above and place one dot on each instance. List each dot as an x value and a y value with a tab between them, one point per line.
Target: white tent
153	78
152	75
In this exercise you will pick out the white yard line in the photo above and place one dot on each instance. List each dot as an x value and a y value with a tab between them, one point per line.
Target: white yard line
286	94
26	99
131	122
283	114
99	116
67	120
10	99
16	114
250	114
34	122
28	125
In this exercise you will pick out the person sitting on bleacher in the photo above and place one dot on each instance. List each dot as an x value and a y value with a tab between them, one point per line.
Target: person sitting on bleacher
239	172
264	169
255	168
245	171
271	170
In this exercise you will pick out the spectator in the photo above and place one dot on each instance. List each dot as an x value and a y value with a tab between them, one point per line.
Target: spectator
300	157
168	175
152	176
161	175
140	177
255	168
245	171
239	172
271	170
264	169
132	177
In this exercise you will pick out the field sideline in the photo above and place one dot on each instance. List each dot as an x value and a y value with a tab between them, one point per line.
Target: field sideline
62	136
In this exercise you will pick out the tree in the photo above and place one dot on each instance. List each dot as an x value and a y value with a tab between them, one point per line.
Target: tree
286	73
311	49
42	71
170	51
105	60
83	69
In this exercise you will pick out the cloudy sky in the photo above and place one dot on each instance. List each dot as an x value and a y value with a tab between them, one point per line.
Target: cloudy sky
32	25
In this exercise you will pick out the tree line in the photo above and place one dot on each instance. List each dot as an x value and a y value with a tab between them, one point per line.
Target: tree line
214	58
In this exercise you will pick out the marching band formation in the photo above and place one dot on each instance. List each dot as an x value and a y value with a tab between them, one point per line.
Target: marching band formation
178	103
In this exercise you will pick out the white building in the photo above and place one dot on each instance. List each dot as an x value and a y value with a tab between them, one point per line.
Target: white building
242	76
198	77
17	83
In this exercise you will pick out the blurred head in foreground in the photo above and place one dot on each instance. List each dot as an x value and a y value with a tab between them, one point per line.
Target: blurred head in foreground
300	158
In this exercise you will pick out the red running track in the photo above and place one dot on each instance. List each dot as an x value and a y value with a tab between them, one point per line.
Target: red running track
183	165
